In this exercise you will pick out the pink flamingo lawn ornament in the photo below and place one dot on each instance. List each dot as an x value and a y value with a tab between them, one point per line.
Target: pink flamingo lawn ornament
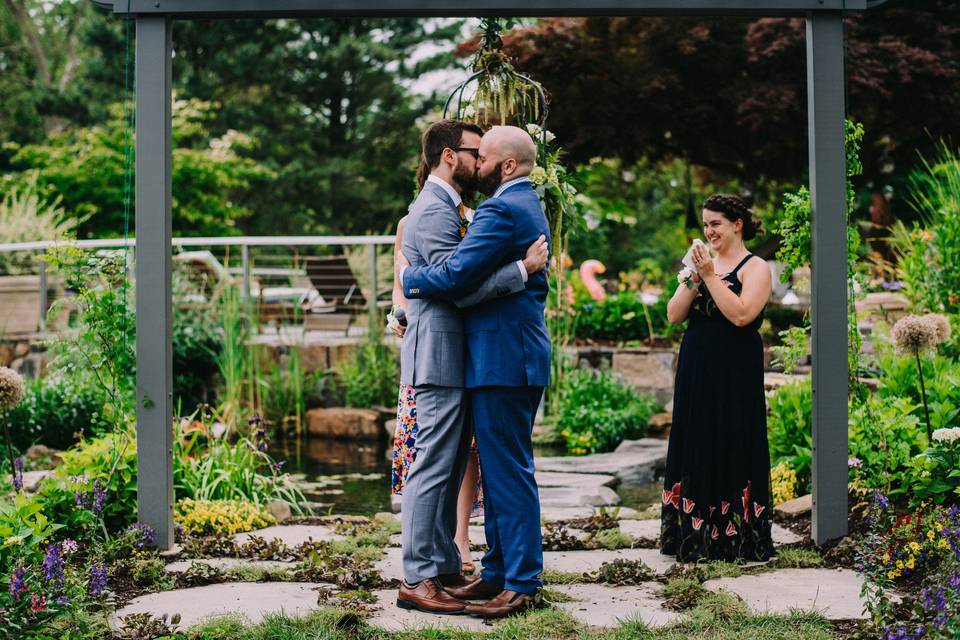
588	275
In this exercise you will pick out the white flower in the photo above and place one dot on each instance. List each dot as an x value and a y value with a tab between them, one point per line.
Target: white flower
218	430
549	137
538	176
854	462
946	435
534	130
684	275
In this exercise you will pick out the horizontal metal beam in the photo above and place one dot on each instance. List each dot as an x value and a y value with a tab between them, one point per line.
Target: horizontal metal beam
427	8
230	241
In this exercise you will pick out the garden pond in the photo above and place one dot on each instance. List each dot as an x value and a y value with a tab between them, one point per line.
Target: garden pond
353	477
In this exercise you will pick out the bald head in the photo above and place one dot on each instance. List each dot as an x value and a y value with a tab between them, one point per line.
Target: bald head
506	143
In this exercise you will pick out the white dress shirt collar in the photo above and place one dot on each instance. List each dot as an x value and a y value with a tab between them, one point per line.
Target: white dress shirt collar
446	187
509	183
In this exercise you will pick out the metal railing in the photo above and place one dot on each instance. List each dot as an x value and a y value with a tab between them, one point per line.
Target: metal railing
246	271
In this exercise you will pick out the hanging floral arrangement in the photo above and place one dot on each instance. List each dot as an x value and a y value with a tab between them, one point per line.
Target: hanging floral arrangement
502	95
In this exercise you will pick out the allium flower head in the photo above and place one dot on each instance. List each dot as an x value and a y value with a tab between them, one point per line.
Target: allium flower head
942	324
912	334
11	388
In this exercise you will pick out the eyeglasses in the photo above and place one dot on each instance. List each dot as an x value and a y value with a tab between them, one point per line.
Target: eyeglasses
474	151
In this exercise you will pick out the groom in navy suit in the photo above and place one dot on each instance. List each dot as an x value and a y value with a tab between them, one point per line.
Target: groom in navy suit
508	366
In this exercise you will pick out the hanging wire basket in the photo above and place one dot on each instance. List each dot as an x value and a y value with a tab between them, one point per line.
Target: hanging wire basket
513	106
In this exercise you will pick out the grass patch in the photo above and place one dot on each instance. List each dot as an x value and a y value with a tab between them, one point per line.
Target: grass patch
551	576
719	569
613	539
553	596
249	573
719	616
797	558
682	593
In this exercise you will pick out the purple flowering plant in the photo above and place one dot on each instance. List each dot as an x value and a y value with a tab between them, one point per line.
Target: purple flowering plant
917	554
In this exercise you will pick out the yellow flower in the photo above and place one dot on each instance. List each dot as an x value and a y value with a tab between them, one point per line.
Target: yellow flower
886	558
892	574
899	564
930	534
915	546
943	544
910	562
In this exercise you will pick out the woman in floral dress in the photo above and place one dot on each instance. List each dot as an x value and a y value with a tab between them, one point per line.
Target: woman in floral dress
716	493
470	500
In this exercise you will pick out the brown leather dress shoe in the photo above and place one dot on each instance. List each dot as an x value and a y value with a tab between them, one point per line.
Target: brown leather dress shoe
428	595
476	590
455	581
504	604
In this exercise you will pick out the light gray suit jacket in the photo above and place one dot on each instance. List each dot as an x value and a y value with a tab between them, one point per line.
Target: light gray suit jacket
433	351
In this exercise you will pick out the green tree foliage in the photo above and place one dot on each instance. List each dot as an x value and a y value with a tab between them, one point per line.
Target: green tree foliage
330	102
85	169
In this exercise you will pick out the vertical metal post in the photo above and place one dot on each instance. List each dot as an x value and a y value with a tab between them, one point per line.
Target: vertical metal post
373	280
153	267
245	262
826	111
43	295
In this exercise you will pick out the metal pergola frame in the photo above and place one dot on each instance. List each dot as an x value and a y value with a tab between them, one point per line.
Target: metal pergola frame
826	106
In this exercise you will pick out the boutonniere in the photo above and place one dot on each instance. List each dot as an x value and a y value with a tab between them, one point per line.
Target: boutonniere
464	223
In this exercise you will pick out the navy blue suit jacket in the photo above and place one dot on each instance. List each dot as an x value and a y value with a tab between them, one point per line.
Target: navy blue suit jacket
508	344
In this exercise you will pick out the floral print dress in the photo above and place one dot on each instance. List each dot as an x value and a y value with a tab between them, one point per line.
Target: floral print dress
404	444
716	493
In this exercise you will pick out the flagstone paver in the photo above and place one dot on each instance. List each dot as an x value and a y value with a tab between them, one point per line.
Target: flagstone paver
834	593
253	600
646	529
634	461
584	561
393	618
558	479
585	496
226	564
600	605
292	534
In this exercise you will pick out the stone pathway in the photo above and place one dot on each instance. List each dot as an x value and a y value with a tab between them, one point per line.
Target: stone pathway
570	488
252	600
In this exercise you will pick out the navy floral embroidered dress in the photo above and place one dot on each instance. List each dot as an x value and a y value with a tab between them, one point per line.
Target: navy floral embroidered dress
716	492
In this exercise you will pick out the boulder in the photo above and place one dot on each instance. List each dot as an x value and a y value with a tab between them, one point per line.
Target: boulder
647	370
795	508
661	423
344	423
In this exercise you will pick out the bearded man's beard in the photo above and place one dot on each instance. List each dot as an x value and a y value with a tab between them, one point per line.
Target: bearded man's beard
488	184
466	179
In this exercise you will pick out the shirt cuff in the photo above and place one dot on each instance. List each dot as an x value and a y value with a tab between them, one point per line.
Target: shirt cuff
401	275
523	271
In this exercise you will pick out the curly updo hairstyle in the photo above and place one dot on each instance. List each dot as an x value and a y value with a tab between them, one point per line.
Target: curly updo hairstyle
734	208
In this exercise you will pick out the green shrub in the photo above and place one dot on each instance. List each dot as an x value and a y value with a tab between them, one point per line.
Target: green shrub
934	475
371	379
197	343
620	318
884	435
597	412
208	466
789	428
935	194
53	411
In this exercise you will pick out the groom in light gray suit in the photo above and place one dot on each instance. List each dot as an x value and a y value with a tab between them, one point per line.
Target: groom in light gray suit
432	360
